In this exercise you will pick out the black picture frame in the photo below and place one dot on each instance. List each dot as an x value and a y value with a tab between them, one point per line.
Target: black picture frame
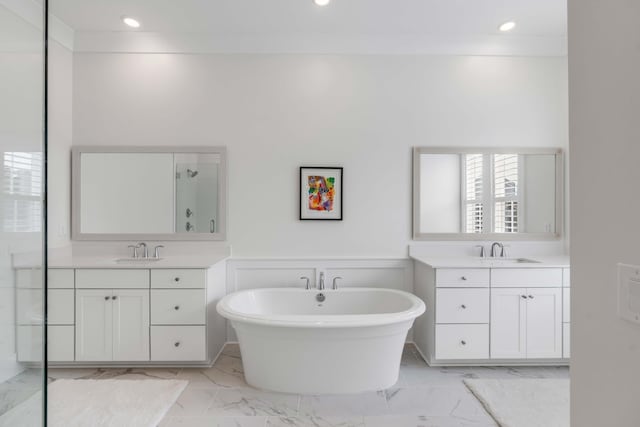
305	214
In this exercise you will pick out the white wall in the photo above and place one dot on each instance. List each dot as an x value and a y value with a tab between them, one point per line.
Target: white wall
604	65
60	139
278	112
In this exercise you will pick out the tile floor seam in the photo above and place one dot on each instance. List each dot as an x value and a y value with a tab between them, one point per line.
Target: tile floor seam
211	400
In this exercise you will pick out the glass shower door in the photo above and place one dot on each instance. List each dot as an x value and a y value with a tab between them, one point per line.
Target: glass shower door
22	227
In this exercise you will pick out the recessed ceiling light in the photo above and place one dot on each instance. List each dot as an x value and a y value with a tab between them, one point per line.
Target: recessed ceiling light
321	2
507	26
133	23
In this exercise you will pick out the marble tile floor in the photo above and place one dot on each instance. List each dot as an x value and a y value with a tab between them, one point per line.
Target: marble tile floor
18	389
423	397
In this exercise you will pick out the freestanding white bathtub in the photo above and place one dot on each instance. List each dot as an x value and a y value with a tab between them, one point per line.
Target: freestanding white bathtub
350	342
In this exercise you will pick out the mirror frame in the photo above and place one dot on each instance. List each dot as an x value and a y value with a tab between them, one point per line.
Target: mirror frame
76	202
560	180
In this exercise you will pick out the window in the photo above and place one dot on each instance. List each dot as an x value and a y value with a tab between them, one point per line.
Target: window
21	201
491	193
473	182
505	198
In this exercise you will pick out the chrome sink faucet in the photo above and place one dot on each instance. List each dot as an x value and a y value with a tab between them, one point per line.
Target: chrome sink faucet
321	281
493	250
156	251
143	245
135	250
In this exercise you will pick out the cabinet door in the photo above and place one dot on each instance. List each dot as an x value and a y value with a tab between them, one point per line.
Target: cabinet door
508	323
94	325
544	323
130	325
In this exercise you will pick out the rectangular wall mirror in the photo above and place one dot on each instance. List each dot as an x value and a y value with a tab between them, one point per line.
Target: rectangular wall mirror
487	193
149	193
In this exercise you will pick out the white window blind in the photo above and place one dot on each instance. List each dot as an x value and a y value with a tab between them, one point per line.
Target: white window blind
474	193
506	192
491	193
21	199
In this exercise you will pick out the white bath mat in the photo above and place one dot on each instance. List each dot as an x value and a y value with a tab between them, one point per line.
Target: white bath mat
99	403
524	402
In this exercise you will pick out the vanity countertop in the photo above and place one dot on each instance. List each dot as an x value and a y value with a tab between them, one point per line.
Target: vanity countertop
477	262
78	261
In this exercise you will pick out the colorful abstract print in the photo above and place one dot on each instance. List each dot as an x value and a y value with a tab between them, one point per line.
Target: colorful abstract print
321	193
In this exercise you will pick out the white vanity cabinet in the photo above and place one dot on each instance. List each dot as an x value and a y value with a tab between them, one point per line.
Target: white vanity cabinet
112	315
123	315
566	313
526	313
178	315
112	325
462	314
29	315
491	315
526	323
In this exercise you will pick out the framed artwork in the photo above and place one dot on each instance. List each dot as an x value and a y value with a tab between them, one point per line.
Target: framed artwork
320	193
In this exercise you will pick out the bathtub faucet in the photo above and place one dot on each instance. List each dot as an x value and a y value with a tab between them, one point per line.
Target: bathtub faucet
321	282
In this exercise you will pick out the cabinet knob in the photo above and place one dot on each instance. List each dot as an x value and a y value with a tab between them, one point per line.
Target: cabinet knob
463	342
177	307
176	279
463	278
114	297
177	344
531	296
524	296
463	307
106	298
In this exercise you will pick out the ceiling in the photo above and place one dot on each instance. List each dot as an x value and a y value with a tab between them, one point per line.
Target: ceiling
353	26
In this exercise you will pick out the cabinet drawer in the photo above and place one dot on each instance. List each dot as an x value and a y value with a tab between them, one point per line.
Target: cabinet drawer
462	342
462	277
60	278
178	307
112	279
61	307
462	305
566	277
178	343
30	307
526	277
566	305
179	278
60	343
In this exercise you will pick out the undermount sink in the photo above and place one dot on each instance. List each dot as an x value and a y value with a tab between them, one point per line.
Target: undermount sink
511	261
136	260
